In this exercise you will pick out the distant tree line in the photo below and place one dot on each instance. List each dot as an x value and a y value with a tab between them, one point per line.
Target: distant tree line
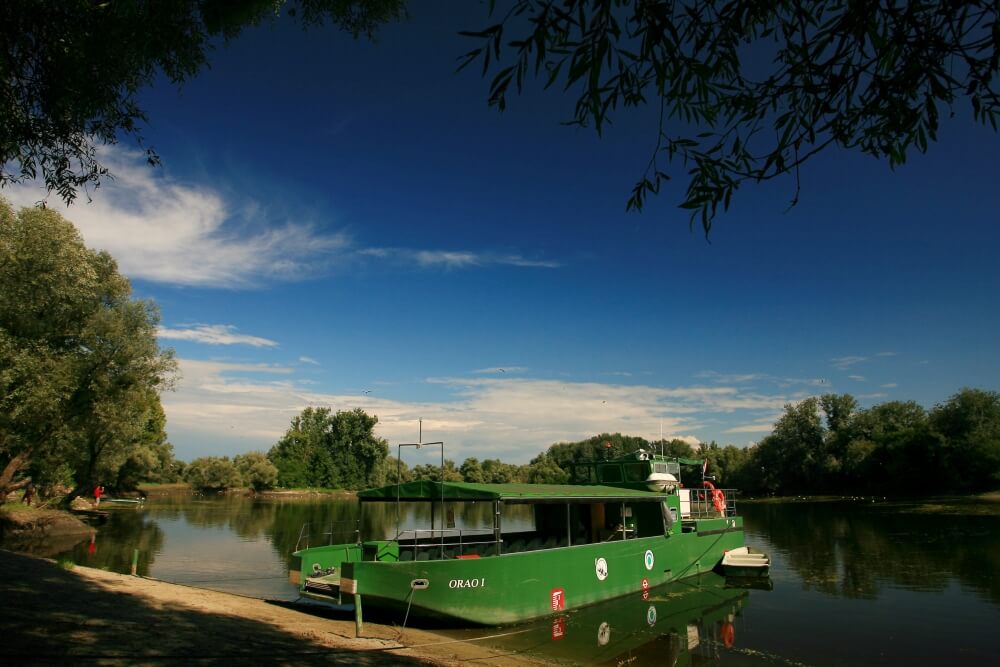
822	445
829	445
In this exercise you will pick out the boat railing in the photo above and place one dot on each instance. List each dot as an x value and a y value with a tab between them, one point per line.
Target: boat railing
422	544
334	528
703	504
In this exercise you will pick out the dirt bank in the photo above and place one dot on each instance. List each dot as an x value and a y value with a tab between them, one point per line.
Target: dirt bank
18	521
53	615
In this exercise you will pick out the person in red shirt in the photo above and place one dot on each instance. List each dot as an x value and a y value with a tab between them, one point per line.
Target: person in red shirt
98	492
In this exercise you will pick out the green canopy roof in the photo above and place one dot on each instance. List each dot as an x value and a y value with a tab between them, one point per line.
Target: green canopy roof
509	493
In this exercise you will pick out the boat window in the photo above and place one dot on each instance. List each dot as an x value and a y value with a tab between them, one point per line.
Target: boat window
660	468
636	472
611	472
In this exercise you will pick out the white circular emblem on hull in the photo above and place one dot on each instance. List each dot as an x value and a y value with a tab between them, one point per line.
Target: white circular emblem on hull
601	568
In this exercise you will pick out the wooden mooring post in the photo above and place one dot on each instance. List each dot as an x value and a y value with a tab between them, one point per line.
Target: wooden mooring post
135	560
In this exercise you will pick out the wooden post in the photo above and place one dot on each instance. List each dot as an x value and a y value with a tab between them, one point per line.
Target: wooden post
358	624
135	560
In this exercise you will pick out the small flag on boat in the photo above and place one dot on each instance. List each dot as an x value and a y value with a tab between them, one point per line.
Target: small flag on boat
704	468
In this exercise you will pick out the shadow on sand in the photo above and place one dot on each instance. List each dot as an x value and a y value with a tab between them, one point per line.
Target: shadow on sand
50	615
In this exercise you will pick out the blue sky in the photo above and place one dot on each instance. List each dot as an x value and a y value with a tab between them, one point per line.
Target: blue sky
348	224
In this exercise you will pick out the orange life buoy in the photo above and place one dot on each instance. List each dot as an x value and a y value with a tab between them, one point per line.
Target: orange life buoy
728	634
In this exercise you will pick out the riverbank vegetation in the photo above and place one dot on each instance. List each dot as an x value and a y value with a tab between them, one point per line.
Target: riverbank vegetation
81	370
822	445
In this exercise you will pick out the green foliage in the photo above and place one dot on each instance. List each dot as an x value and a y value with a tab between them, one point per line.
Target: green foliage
213	473
339	450
895	447
395	471
544	470
969	426
71	72
80	366
256	471
751	90
432	472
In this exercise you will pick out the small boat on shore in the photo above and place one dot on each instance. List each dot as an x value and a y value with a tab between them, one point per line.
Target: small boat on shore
603	536
125	501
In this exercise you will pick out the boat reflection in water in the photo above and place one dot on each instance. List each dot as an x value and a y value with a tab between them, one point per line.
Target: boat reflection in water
689	622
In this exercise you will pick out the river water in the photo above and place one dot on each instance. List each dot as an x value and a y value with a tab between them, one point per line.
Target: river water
853	582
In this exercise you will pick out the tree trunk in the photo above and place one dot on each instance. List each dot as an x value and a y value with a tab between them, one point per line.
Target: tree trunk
7	483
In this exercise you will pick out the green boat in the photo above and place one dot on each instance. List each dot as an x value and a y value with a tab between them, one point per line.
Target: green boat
621	527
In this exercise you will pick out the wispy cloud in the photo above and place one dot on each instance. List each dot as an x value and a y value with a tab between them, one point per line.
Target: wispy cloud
308	360
214	334
857	378
166	231
889	385
750	378
496	370
765	426
843	363
456	259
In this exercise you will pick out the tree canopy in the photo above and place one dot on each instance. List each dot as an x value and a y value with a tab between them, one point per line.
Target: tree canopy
895	447
80	366
744	91
323	449
70	72
751	90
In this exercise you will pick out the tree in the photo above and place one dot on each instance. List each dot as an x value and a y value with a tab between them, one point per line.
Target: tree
891	447
751	90
969	424
790	457
72	71
256	470
213	473
152	460
396	471
330	450
544	470
80	366
432	472
472	471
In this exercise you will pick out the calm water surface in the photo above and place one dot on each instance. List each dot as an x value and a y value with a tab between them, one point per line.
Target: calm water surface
853	582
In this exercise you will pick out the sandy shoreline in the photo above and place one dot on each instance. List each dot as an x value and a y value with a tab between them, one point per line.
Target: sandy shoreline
53	615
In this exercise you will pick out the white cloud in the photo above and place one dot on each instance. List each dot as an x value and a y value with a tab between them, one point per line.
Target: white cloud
857	378
214	334
308	360
843	363
164	231
889	385
509	418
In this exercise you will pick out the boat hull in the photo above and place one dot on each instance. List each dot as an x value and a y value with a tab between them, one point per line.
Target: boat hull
517	587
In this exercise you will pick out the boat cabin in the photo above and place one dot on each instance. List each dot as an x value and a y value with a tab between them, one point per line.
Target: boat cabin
635	496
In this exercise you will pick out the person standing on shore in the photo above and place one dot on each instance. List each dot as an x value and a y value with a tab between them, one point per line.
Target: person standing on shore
98	492
29	493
